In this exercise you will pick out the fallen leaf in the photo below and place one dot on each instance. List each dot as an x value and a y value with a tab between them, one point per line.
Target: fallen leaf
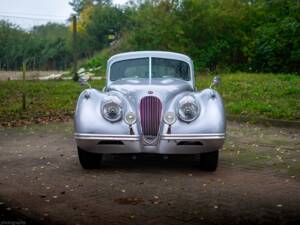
129	201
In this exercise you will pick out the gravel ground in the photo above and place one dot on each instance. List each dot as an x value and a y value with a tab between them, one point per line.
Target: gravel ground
257	182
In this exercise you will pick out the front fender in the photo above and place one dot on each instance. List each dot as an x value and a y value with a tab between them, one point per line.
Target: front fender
211	119
89	120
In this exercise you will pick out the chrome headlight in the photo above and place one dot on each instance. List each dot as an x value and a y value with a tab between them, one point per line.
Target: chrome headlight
188	108
112	109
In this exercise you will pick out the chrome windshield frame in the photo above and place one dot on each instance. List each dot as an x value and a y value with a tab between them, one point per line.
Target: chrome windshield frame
150	55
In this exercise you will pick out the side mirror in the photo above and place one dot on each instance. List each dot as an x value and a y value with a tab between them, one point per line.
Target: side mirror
216	81
83	80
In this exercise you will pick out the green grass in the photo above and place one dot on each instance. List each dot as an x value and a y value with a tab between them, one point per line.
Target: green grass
259	95
45	100
274	96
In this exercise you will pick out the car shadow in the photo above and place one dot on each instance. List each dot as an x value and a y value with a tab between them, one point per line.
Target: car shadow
151	162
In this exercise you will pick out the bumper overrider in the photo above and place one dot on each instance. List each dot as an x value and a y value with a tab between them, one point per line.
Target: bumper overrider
165	143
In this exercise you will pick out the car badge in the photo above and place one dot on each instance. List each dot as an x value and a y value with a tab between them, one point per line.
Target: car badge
150	92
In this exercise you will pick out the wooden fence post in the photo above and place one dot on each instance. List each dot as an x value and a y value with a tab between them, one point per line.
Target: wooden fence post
23	93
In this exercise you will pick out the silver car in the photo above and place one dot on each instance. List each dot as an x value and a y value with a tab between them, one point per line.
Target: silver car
150	105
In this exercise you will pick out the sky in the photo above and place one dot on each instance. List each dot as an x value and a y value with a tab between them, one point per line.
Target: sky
29	13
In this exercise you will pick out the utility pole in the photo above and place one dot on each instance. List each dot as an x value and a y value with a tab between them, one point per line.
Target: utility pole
75	75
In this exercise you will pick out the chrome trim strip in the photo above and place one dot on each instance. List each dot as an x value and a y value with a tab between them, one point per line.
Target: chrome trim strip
137	137
114	137
192	136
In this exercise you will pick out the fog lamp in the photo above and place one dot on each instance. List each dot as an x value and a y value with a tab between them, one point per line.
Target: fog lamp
130	118
170	118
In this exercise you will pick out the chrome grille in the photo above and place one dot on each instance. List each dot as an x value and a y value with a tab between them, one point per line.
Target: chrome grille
150	109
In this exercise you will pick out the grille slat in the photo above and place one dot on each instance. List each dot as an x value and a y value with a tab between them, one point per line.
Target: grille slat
150	110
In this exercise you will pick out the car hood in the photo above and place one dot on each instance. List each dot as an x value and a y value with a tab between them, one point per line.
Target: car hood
164	89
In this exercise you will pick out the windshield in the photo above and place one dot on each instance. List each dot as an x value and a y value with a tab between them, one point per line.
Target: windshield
139	68
170	68
131	68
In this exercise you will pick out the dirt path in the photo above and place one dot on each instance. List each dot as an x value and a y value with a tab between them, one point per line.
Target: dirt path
30	75
41	181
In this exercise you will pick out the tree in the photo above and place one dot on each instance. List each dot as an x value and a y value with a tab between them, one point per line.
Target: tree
79	5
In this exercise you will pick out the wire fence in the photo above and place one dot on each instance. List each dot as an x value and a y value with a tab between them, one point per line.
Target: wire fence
28	21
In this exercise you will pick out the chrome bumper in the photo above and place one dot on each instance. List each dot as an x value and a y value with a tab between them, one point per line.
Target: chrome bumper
167	144
109	137
114	137
187	137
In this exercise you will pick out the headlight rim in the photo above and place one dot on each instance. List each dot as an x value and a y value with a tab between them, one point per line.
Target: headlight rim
192	100
112	100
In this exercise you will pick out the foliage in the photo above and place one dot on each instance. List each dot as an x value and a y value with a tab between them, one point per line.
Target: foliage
13	45
222	35
79	5
258	95
44	47
99	60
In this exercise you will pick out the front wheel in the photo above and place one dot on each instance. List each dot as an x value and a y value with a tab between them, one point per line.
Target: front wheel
89	160
209	161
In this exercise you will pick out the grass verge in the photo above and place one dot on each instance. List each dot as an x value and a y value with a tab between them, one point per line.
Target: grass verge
45	101
259	95
272	96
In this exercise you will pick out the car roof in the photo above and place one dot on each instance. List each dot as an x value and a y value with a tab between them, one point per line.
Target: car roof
142	54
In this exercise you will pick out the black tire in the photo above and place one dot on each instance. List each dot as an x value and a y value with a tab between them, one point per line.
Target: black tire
89	160
209	161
